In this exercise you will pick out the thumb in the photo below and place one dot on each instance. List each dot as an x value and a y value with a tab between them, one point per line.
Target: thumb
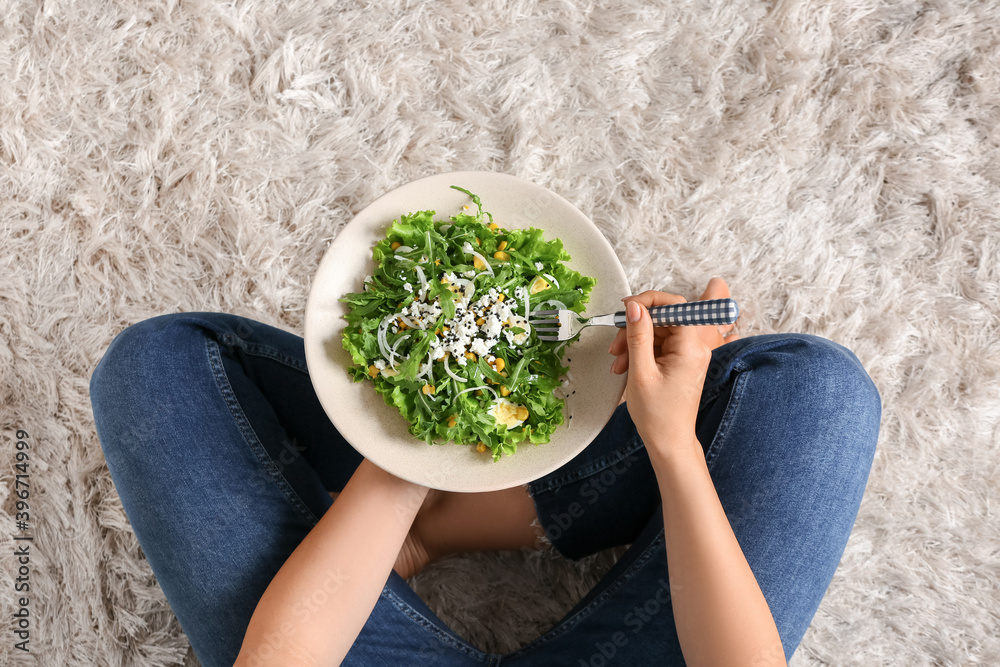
639	328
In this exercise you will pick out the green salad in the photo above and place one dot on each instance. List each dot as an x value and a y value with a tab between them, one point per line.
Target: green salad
441	328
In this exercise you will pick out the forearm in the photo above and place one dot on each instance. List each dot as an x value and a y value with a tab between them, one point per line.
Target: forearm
316	605
720	614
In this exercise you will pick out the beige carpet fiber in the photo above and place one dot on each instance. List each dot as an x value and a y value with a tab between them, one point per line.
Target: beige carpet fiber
837	162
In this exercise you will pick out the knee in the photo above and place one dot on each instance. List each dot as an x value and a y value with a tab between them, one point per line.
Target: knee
138	364
134	351
831	380
837	370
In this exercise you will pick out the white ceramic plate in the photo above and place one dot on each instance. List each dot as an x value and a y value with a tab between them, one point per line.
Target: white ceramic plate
377	430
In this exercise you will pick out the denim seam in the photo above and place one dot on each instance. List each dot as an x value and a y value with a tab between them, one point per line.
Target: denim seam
249	436
432	627
603	463
259	350
652	549
729	415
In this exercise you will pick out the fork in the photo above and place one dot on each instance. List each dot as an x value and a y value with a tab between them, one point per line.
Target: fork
559	325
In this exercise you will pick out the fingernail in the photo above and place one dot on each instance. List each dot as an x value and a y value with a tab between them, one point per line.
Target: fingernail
632	313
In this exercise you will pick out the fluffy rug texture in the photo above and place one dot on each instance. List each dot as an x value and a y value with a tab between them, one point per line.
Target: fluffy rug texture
836	161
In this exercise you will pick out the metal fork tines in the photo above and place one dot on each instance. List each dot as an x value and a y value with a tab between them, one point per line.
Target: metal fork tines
559	325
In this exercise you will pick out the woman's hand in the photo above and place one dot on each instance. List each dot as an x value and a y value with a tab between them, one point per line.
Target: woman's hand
667	365
720	614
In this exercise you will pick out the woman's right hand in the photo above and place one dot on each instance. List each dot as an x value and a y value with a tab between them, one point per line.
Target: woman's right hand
667	367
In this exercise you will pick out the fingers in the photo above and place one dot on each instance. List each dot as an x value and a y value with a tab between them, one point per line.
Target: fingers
651	298
717	289
639	327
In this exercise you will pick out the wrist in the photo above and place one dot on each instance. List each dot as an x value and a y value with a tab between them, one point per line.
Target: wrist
674	451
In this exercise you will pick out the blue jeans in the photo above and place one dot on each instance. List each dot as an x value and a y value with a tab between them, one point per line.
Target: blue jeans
222	457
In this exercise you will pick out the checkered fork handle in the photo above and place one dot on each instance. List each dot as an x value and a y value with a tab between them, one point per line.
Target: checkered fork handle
712	311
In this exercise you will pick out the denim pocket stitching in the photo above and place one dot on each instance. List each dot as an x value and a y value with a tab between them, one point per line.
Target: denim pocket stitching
432	627
721	433
261	350
249	436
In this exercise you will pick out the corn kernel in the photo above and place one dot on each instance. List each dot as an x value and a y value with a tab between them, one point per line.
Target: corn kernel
501	297
451	421
501	255
444	281
500	364
494	226
480	322
471	356
481	447
445	329
537	285
522	413
402	325
503	245
478	242
372	371
478	263
427	389
504	391
395	245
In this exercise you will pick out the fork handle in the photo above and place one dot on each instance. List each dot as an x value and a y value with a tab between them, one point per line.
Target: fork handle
691	313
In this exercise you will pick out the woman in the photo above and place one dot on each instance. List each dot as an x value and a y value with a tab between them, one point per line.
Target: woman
741	463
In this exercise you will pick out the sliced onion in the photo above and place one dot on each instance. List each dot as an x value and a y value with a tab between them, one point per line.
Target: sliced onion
408	322
468	289
383	344
427	370
483	386
404	248
468	248
397	343
447	369
422	277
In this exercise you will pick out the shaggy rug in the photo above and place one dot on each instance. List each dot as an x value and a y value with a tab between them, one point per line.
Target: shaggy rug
836	161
